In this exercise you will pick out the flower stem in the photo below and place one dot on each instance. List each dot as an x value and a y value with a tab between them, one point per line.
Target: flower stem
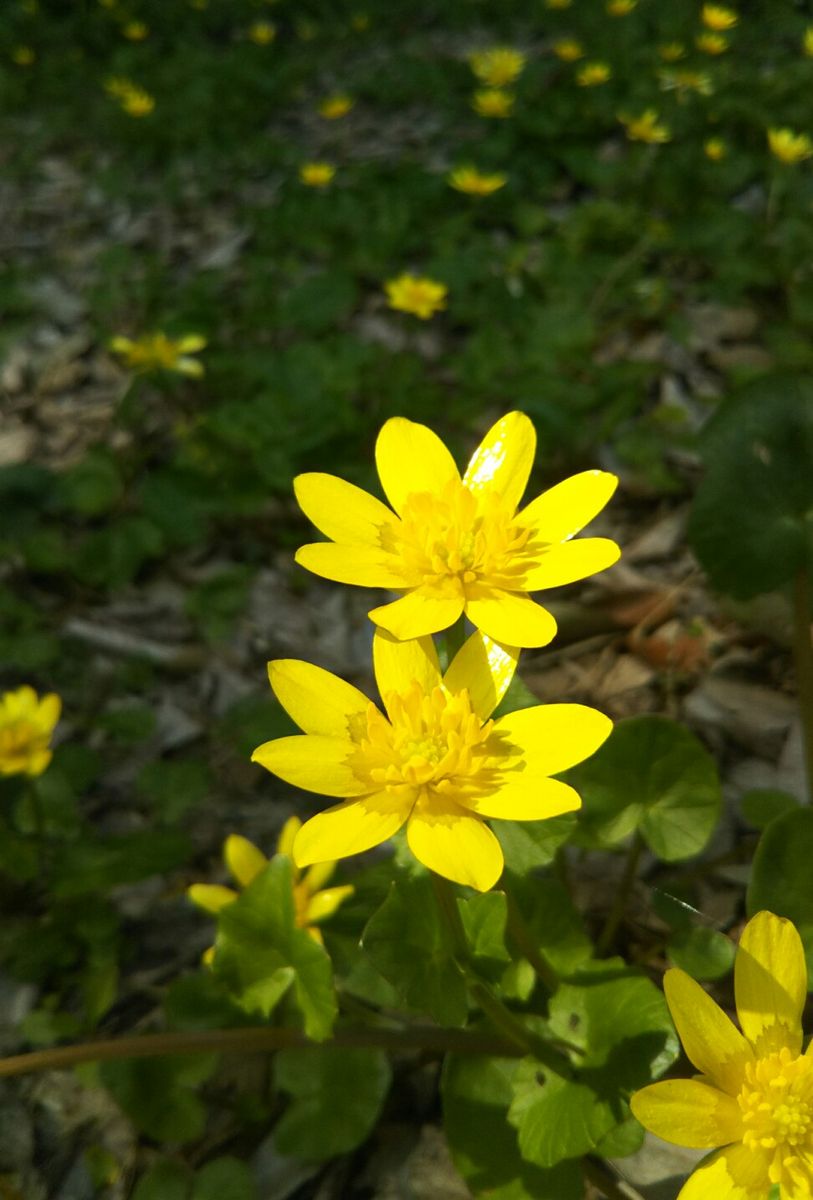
803	658
526	944
607	935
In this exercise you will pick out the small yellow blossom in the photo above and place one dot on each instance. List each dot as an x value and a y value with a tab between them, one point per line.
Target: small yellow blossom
715	149
684	81
136	31
492	102
313	902
497	66
26	726
672	51
620	8
335	106
157	352
23	56
789	147
645	128
711	43
754	1094
568	49
593	74
316	174
473	183
262	33
416	294
432	759
453	544
133	99
807	41
717	18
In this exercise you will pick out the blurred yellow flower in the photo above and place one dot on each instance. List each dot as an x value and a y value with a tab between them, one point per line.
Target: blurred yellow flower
568	49
491	102
416	294
473	183
313	903
715	149
592	74
133	99
335	106
433	760
316	174
684	81
807	41
262	33
715	17
789	147
711	43
645	128
672	51
26	726
620	8
23	56
157	352
497	66
360	22
135	31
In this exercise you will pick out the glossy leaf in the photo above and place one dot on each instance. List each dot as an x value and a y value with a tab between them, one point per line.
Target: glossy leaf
337	1096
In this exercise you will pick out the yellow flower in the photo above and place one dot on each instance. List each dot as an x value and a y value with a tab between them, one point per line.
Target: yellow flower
135	31
715	149
491	102
568	49
433	760
417	295
685	81
620	8
133	99
335	106
645	128
157	352
789	147
313	903
754	1096
316	174
593	74
473	183
672	51
715	17
23	56
711	43
498	66
457	545
262	33
26	726
807	41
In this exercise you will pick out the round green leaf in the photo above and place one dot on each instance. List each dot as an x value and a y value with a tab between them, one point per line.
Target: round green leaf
702	953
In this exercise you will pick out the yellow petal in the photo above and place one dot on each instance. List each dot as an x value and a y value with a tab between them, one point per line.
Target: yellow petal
569	561
525	796
454	843
511	619
341	510
211	897
364	566
317	764
736	1173
285	841
411	458
566	508
419	612
208	956
770	984
190	367
325	903
350	828
553	737
190	343
485	669
317	876
50	708
503	460
243	860
688	1112
317	700
38	761
709	1037
400	664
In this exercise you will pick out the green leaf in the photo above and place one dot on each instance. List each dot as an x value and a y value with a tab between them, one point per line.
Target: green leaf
224	1179
626	1138
484	918
174	787
529	844
780	877
752	520
96	864
157	1093
165	1181
476	1095
261	952
556	1119
553	921
702	953
93	486
761	805
655	776
337	1096
407	942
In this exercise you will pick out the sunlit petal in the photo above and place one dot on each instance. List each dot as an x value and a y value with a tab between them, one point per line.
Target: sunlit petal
770	983
711	1040
317	764
400	664
285	841
503	460
688	1113
511	619
570	561
563	510
525	796
485	669
243	860
553	737
455	844
364	566
316	699
734	1173
341	510
411	458
420	612
350	828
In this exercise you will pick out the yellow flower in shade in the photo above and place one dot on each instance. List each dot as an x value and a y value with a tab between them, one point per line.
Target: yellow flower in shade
432	760
334	107
754	1095
313	902
593	74
715	149
417	295
23	56
262	33
157	352
568	49
717	18
672	51
789	147
498	66
807	41
316	174
470	181
711	43
136	31
492	102
620	8
645	128
132	98
26	726
457	545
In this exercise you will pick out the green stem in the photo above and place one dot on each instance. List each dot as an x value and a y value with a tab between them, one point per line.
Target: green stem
526	944
607	935
803	657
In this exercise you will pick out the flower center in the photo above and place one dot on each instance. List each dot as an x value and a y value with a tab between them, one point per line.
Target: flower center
776	1100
